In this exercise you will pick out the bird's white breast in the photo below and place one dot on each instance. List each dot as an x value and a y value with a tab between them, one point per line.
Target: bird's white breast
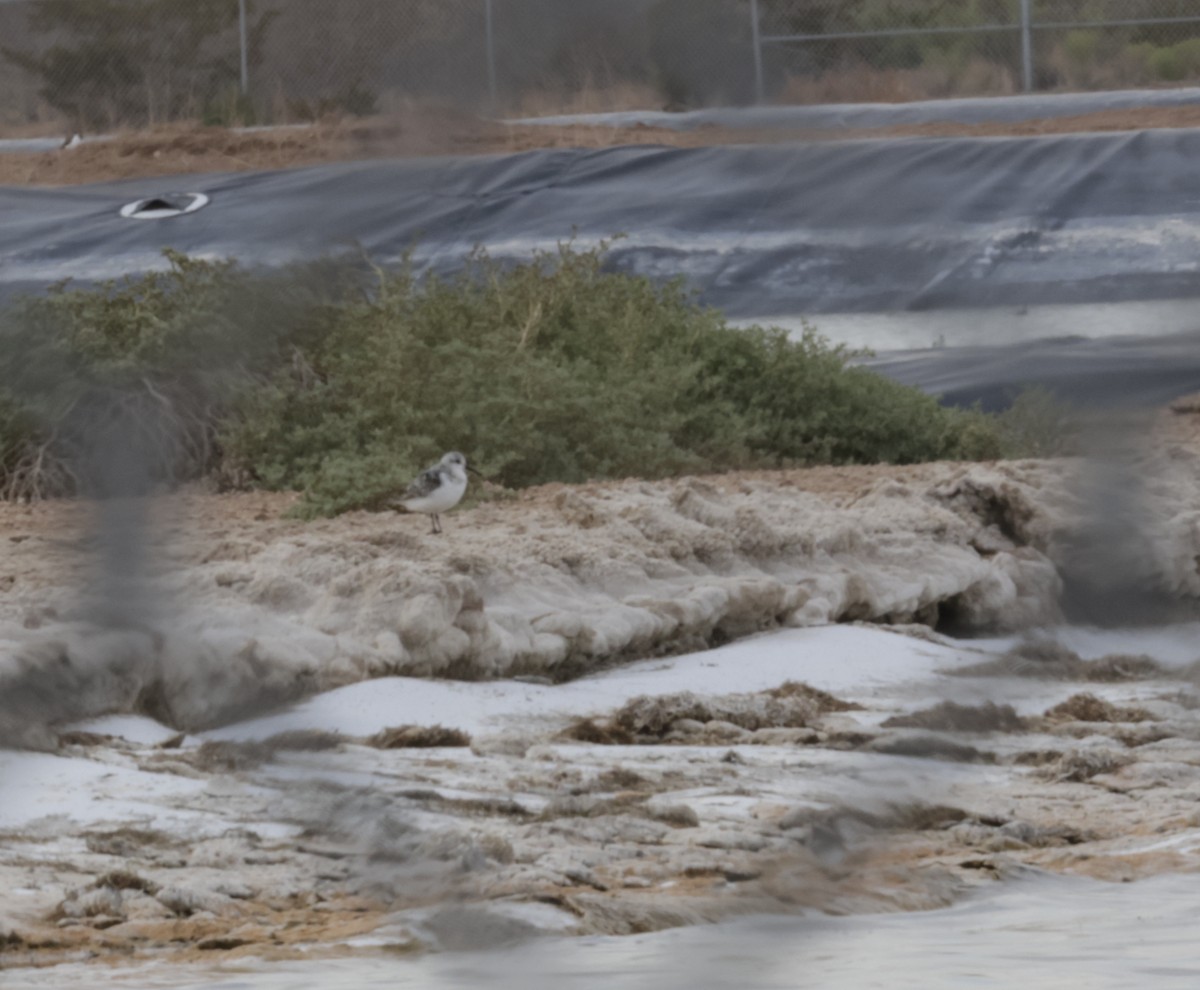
443	498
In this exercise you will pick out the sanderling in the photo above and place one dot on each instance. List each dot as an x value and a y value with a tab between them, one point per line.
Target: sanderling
437	489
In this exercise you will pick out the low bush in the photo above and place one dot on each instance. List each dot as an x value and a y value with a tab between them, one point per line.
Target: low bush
342	383
558	370
126	384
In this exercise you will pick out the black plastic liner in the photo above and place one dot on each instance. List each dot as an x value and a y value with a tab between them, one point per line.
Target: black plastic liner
764	232
1112	373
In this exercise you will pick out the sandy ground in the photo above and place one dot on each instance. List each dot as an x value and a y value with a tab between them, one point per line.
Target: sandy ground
226	753
187	149
128	844
197	609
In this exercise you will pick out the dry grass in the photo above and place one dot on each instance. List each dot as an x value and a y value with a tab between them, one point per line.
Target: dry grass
862	84
185	149
589	98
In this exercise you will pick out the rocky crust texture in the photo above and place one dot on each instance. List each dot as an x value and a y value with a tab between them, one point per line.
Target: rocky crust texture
646	812
201	609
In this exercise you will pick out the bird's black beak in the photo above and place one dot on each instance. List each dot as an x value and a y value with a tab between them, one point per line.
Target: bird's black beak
475	471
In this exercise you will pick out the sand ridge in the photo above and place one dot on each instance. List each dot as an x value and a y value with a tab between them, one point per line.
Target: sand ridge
234	607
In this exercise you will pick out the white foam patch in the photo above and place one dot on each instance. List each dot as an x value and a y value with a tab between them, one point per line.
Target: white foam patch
852	662
37	786
132	728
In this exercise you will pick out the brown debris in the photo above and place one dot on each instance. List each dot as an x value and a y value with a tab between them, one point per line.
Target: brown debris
1088	708
924	817
685	717
582	806
80	738
185	148
1048	660
126	842
418	737
824	701
305	740
1036	757
126	880
930	748
1082	765
952	717
654	716
223	755
597	733
619	779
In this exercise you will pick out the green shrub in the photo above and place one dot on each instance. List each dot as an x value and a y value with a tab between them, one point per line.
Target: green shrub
1173	63
229	107
1167	64
322	381
1189	54
557	370
1083	47
148	364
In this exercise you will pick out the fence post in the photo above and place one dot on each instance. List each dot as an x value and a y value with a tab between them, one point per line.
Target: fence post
1027	45
756	40
490	31
245	79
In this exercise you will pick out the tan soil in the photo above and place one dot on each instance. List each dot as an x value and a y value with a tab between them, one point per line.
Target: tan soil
188	149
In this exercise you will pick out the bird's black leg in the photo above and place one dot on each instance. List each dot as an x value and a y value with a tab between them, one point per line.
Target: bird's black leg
437	526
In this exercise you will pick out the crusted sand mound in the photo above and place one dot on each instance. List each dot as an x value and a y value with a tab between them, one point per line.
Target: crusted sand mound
236	608
201	609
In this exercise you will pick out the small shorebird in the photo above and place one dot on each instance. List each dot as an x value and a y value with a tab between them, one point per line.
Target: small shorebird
437	489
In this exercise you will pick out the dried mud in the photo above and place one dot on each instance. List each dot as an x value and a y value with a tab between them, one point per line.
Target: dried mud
285	853
240	609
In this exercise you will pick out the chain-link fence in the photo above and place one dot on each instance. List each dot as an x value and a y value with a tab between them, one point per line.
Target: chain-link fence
101	64
839	50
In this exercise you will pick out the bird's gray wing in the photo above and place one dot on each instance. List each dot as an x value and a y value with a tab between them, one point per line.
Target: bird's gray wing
426	483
